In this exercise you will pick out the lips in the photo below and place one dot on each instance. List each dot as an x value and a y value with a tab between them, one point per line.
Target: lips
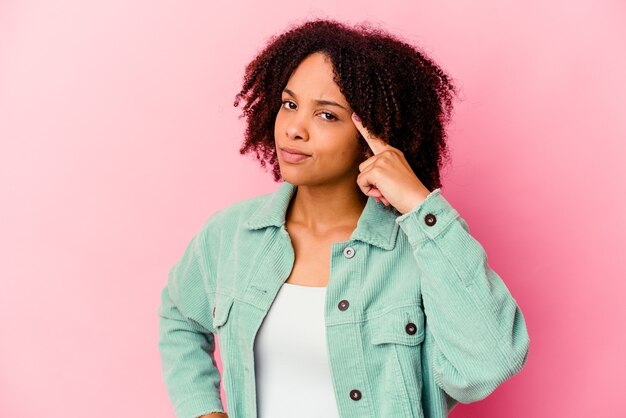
295	151
293	156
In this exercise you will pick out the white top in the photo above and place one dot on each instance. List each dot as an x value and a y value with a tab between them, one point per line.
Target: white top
291	359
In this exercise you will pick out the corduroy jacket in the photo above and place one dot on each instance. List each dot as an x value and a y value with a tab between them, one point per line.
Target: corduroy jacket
416	320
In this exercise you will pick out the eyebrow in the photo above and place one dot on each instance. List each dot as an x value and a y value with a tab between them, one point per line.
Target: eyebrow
319	102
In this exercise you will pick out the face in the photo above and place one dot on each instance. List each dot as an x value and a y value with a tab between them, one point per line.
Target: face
315	119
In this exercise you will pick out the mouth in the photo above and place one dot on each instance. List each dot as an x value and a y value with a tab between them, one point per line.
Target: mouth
293	156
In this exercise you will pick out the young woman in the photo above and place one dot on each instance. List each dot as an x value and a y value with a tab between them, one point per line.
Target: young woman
354	290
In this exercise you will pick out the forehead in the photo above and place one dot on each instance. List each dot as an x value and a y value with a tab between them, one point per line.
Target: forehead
313	78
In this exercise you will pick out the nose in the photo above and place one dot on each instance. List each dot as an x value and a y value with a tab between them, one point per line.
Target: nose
296	128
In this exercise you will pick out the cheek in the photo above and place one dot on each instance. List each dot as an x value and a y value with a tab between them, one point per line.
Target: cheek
333	147
339	155
277	123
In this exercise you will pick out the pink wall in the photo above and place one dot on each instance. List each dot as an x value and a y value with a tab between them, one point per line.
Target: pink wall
118	139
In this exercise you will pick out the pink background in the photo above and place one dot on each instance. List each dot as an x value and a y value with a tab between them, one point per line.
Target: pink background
119	138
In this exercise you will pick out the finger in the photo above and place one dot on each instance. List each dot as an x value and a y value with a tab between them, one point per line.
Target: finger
374	192
377	195
366	163
381	199
376	144
368	188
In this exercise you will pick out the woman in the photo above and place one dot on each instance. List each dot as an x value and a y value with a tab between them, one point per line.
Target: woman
355	289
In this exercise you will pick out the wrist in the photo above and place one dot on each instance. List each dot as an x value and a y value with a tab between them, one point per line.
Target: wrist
416	200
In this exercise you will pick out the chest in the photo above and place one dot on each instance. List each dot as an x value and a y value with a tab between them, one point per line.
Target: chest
254	265
312	254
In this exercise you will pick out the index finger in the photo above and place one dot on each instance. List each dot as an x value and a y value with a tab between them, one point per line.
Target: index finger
376	144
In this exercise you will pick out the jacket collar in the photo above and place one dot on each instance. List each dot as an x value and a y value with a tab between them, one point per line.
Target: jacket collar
376	225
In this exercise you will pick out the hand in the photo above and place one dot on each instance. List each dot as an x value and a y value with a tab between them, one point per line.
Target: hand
214	415
387	175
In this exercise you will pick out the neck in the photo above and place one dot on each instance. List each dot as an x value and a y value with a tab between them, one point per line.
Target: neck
326	207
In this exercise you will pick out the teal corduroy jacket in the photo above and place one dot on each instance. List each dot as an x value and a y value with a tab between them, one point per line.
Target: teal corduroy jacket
416	320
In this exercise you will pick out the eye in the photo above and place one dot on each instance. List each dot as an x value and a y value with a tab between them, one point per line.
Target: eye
287	101
330	118
330	114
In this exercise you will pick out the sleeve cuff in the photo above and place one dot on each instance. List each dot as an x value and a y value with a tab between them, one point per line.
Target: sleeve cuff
199	405
428	219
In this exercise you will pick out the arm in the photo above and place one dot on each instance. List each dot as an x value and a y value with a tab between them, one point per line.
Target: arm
479	332
186	336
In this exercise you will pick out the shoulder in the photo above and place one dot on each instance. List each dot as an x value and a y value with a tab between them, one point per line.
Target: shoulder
234	215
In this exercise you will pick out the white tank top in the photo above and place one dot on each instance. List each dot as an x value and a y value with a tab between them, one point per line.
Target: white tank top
291	362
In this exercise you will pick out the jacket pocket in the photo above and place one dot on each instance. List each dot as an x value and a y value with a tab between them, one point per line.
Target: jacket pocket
221	311
396	336
403	325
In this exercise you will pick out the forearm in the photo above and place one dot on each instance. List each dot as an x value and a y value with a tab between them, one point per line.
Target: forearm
478	334
190	372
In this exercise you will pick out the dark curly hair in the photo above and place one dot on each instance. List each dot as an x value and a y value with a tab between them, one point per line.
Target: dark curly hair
400	94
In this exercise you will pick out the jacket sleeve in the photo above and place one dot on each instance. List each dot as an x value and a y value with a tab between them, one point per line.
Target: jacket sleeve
186	335
479	332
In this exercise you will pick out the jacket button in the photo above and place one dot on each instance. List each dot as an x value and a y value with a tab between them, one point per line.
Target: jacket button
348	252
410	328
355	394
343	305
430	219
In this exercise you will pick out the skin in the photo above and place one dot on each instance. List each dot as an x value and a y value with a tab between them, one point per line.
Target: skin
328	202
332	184
387	174
328	198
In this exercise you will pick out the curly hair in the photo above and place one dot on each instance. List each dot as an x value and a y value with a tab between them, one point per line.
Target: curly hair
399	93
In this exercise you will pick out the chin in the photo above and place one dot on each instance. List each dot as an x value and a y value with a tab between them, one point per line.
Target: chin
294	176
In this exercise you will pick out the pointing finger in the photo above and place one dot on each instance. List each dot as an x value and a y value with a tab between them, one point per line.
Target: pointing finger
376	144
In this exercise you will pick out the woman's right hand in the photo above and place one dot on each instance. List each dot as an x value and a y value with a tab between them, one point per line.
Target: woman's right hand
215	415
